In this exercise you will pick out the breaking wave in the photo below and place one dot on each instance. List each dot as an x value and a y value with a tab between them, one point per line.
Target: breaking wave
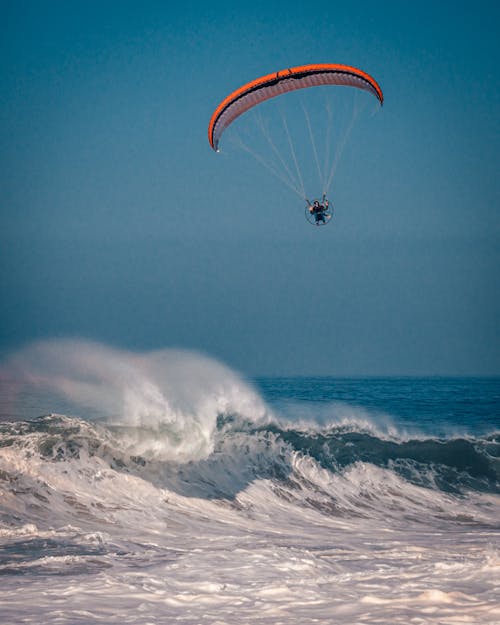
49	462
178	491
181	423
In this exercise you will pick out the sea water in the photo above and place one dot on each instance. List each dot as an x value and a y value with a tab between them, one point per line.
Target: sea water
165	488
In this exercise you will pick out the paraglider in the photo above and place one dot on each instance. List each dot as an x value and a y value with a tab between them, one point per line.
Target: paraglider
256	92
319	213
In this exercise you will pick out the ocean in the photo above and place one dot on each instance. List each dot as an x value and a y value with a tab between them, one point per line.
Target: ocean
165	488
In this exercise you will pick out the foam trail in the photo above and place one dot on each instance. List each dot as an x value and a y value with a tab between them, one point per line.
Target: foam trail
166	401
285	521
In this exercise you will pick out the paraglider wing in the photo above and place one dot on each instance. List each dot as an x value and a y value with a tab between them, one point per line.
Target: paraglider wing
281	82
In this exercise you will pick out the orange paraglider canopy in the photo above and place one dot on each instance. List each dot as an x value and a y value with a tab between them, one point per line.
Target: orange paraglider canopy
272	85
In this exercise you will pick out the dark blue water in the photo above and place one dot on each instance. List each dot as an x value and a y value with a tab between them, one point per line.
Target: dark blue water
432	405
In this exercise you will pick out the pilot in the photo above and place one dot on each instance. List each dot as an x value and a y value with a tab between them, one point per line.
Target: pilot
319	210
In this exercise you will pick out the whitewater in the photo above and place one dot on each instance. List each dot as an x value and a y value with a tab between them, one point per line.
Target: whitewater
162	487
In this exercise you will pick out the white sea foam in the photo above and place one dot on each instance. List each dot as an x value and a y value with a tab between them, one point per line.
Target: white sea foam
262	558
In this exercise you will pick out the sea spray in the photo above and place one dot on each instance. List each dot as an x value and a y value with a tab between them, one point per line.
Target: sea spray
166	401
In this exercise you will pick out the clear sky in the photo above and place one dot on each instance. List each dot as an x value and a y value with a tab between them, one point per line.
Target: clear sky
119	224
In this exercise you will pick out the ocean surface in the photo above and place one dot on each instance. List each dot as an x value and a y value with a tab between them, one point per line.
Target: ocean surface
165	488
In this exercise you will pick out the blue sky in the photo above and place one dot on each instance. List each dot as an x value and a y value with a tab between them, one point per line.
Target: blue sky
119	224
